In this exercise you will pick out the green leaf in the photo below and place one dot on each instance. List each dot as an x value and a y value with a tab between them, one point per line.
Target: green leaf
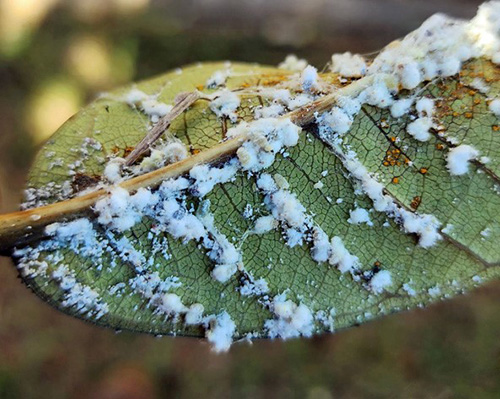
414	174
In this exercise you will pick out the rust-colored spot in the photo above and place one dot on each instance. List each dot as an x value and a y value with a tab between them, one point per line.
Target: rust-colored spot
127	150
415	202
495	128
468	115
477	101
423	170
195	151
395	180
392	157
200	87
439	146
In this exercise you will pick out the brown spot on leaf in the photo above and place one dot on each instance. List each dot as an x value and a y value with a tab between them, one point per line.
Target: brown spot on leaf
415	202
82	181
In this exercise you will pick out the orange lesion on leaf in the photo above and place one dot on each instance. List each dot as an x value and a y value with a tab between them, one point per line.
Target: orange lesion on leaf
124	151
394	157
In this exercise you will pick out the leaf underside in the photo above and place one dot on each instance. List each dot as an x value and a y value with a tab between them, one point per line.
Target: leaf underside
464	258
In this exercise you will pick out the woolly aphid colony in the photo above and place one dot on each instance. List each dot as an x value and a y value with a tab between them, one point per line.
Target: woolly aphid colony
437	49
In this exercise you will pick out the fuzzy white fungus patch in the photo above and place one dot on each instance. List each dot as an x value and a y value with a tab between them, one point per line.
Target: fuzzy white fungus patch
494	106
359	216
380	281
309	78
225	105
291	320
348	65
293	63
458	159
220	332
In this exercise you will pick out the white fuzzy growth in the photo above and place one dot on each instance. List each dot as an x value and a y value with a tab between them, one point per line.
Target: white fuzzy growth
370	186
155	109
425	106
309	78
217	79
225	105
223	272
426	226
206	177
494	107
480	85
283	204
293	63
380	281
377	95
337	120
348	65
129	254
298	101
194	314
320	251
265	137
85	300
434	291
221	331
254	288
484	29
401	107
318	185
120	211
265	224
171	152
440	46
341	257
172	304
271	111
358	216
419	128
291	320
173	187
266	183
135	96
148	104
410	75
287	208
179	223
459	157
78	230
175	152
409	289
113	170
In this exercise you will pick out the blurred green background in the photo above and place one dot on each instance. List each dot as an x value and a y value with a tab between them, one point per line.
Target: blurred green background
55	56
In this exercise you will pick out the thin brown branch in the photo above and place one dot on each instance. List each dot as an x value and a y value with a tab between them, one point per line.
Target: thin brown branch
182	102
19	227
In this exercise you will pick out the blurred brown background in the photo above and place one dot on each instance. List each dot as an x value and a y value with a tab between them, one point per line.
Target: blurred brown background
57	55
